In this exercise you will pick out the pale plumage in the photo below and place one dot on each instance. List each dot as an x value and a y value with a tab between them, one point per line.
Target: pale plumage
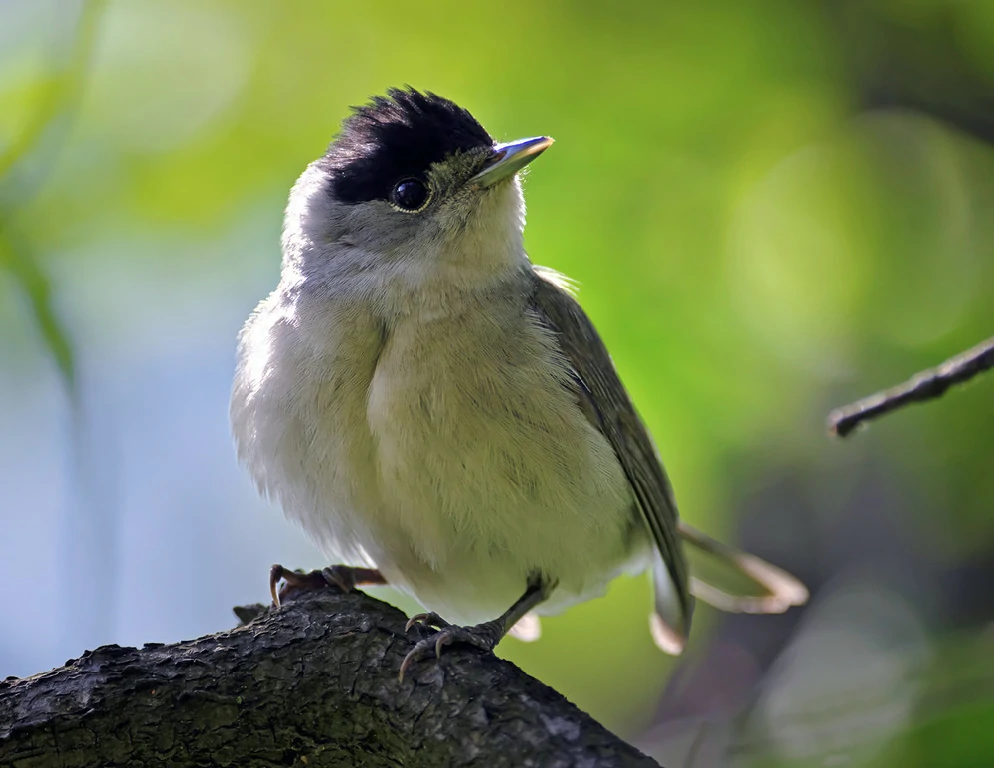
422	400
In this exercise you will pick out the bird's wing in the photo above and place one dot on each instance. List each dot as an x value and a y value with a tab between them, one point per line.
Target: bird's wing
724	577
602	397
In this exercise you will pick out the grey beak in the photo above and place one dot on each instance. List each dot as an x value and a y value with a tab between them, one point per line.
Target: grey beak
510	158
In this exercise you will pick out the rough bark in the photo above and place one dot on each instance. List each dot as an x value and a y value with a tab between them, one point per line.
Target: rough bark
312	684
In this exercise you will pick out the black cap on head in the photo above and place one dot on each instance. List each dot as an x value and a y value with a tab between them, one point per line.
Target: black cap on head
396	137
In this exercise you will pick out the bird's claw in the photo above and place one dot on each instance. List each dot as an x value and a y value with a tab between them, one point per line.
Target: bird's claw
479	637
339	576
430	619
275	574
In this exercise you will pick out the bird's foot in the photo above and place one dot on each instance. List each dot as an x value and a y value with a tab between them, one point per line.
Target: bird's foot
342	577
483	636
429	620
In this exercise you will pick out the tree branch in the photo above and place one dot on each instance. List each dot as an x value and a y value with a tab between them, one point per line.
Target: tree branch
312	684
923	386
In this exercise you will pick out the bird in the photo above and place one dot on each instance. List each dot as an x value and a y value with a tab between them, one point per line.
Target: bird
439	414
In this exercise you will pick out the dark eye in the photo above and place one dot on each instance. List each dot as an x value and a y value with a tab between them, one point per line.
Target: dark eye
410	195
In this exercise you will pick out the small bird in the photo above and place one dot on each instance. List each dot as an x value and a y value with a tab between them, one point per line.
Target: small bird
438	413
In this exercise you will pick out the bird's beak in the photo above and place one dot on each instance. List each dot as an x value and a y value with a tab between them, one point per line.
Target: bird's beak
509	158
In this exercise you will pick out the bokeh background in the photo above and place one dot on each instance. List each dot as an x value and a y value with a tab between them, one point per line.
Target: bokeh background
771	208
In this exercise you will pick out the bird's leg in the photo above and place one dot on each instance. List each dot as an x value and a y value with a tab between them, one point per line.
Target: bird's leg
343	577
484	636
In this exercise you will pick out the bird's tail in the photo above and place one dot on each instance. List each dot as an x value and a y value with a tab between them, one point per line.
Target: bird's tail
735	581
668	622
723	577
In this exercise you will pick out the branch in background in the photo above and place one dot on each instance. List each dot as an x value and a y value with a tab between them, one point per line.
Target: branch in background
923	386
312	684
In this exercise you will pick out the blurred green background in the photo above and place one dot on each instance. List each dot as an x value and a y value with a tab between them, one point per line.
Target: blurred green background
772	208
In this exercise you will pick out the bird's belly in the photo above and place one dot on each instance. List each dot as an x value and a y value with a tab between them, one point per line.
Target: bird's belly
451	456
488	472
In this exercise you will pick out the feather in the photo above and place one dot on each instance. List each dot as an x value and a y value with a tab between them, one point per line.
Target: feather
607	406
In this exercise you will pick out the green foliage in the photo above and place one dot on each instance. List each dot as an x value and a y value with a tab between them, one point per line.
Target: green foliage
38	103
22	265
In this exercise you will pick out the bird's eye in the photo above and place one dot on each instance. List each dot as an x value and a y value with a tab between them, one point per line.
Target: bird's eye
410	196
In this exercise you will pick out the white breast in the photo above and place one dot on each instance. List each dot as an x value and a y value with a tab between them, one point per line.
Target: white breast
445	450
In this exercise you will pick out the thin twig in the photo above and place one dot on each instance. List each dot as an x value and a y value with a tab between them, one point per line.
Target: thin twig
923	386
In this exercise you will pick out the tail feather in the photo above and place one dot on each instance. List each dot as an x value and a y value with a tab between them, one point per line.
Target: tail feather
748	583
729	580
668	623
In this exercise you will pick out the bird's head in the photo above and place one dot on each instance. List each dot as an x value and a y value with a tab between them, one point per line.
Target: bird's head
412	190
